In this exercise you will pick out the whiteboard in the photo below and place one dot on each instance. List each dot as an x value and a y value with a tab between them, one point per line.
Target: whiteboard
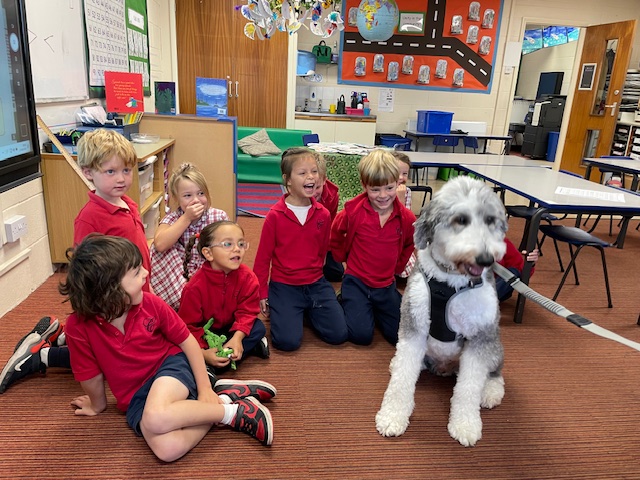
57	47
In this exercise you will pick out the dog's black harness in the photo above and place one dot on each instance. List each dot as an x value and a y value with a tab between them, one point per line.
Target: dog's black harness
441	295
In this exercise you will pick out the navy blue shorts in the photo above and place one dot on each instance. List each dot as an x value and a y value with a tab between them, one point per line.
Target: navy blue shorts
176	366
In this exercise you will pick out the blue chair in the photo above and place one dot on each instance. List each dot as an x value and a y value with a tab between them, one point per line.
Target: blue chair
445	141
310	138
575	237
470	142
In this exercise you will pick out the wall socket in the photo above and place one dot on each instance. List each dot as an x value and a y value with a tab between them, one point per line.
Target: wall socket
15	227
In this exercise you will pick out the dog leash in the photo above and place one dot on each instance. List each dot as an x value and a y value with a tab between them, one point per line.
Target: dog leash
577	320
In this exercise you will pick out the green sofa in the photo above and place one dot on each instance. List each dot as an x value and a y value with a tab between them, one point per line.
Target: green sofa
266	168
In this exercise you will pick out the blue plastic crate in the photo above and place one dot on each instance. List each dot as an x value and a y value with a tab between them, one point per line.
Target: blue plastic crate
433	121
392	141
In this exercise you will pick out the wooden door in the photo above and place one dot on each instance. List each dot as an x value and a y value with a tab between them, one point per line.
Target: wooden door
594	112
211	43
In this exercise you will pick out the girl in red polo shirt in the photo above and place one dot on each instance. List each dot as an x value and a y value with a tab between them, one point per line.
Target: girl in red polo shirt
293	247
226	290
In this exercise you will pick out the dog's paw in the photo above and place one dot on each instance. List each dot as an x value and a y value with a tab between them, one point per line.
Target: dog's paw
493	392
390	425
465	430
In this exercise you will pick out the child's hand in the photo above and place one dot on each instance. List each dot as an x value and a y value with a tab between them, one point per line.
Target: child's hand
236	345
194	210
533	256
264	306
208	396
401	192
84	406
215	361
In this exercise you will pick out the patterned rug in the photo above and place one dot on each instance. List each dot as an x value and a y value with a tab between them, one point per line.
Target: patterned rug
255	199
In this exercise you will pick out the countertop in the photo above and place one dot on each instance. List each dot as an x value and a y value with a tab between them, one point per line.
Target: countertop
335	117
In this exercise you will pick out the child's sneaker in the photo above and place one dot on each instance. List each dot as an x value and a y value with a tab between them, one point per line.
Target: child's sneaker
262	348
24	361
48	328
238	389
254	419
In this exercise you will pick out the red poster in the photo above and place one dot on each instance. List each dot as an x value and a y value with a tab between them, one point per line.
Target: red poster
124	92
442	45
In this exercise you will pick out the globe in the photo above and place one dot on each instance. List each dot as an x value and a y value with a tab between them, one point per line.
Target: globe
377	19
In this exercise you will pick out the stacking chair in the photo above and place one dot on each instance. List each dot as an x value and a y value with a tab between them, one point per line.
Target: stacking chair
310	138
470	142
575	237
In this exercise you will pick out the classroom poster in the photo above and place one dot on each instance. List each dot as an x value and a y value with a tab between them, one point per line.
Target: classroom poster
117	35
444	45
211	97
124	92
165	95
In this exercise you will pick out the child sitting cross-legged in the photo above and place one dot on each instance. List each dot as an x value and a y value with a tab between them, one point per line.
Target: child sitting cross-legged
154	367
225	290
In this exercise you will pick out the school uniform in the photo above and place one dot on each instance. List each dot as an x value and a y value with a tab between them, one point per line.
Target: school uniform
289	265
232	300
332	270
100	216
374	255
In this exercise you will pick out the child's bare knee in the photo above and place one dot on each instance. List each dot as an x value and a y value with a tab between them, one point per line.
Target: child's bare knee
154	419
167	450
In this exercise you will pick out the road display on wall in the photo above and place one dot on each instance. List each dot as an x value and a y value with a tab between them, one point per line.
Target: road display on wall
422	44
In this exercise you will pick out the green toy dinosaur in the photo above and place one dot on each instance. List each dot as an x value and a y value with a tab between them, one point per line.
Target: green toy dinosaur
217	342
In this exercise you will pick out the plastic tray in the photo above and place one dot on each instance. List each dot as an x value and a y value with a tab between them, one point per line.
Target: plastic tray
354	111
144	138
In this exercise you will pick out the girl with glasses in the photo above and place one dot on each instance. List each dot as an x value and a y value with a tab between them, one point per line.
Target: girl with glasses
226	290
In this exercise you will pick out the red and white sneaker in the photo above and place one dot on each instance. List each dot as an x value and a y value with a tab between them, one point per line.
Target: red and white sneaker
239	389
254	419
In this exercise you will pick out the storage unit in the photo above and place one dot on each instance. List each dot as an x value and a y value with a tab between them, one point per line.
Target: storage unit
65	193
626	140
433	121
334	128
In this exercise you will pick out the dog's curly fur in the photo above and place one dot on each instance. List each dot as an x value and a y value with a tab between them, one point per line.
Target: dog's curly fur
459	234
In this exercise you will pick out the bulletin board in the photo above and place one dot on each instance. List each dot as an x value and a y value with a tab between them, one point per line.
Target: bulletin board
446	45
56	46
117	36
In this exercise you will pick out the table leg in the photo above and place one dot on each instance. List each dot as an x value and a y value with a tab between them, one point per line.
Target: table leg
533	225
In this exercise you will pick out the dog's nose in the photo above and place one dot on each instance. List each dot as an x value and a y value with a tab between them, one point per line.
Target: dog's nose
485	259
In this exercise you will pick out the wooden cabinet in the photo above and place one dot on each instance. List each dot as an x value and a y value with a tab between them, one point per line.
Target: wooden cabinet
211	43
65	192
339	129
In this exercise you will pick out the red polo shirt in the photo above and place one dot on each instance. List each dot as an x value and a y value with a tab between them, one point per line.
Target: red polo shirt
231	299
294	253
330	198
374	254
100	216
153	331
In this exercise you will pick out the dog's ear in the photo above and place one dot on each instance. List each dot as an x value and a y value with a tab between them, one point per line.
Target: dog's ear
424	226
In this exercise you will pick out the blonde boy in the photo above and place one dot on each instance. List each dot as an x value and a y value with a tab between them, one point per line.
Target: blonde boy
374	235
108	159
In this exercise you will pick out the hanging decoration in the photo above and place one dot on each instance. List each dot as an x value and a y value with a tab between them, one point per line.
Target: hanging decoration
269	16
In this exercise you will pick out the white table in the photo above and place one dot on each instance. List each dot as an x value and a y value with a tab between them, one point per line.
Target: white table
625	165
540	186
439	159
416	136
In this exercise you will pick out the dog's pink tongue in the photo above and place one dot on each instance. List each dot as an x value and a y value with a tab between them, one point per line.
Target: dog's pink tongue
475	270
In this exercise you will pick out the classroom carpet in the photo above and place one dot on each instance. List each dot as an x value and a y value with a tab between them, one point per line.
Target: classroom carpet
255	199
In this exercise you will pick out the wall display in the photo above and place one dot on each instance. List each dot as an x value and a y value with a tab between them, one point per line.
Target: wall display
444	45
587	75
117	41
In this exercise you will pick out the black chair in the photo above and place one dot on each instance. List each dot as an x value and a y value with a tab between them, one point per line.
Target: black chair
575	237
470	142
310	138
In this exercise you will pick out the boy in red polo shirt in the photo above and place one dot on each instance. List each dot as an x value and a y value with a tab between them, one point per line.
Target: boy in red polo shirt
108	159
374	235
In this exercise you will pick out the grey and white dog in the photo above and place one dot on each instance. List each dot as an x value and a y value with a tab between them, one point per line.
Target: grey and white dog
459	234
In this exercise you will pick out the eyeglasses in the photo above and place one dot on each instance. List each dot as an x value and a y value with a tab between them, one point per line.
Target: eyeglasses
242	245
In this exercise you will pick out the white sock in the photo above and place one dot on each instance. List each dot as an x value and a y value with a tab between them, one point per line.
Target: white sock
61	340
225	399
44	355
229	413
